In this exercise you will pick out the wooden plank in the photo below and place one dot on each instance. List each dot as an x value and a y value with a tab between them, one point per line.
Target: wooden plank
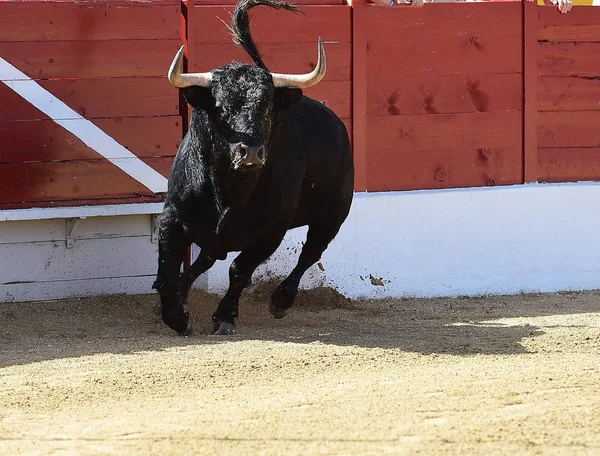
360	104
279	58
400	169
160	164
431	94
71	180
52	256
184	108
82	202
95	98
581	24
45	140
296	2
490	124
568	59
477	40
459	141
451	56
392	25
75	21
332	23
91	228
569	129
445	150
569	164
20	292
568	94
92	59
33	231
587	33
530	80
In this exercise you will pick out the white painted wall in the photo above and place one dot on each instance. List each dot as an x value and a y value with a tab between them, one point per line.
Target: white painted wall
109	255
494	240
490	240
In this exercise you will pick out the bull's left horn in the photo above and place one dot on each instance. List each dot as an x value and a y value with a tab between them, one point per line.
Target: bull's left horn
303	81
183	80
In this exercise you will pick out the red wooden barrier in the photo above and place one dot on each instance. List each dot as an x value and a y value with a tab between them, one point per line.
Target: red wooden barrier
107	61
443	95
449	95
568	139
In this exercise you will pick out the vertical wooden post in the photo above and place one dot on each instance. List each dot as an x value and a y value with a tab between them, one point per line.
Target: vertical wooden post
359	93
187	7
187	22
530	82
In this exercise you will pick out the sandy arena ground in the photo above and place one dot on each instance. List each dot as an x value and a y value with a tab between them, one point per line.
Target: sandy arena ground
497	375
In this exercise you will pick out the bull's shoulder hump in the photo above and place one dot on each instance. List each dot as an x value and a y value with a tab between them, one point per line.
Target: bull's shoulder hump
315	110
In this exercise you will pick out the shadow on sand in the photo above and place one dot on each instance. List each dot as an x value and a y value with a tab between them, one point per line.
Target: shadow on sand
32	332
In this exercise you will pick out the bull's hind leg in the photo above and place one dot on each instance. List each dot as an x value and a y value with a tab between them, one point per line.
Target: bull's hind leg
318	238
172	245
240	275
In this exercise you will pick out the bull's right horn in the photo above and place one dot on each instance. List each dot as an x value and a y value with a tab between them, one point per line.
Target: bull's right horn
303	81
183	80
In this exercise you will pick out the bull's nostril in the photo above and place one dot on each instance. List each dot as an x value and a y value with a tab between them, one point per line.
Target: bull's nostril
260	153
243	151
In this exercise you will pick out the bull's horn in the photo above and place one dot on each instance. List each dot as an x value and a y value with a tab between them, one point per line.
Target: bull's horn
186	79
303	81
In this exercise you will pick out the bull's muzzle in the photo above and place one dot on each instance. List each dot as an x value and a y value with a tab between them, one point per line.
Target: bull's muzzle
249	156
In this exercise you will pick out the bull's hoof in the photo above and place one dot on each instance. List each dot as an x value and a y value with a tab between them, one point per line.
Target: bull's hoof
277	312
182	325
225	329
220	329
189	328
282	300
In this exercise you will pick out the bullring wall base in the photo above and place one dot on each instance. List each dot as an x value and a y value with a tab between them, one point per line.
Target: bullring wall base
442	243
478	241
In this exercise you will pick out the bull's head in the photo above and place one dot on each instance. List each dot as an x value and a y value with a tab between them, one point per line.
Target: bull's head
241	100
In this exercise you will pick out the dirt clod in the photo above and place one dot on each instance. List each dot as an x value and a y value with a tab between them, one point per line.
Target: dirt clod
376	281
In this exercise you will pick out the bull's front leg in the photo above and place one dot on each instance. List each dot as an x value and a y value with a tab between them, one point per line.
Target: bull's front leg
172	246
240	275
202	264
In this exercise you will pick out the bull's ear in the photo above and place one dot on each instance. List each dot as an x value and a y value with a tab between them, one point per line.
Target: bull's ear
286	96
199	97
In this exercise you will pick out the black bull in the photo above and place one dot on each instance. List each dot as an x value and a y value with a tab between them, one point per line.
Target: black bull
259	159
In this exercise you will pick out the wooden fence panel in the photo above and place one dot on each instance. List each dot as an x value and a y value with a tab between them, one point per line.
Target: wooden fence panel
45	141
443	96
107	61
296	2
568	94
451	95
106	20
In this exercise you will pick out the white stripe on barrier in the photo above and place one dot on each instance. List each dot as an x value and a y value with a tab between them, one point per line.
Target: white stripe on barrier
82	128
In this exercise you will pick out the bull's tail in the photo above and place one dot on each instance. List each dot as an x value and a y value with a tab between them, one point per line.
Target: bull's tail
241	25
